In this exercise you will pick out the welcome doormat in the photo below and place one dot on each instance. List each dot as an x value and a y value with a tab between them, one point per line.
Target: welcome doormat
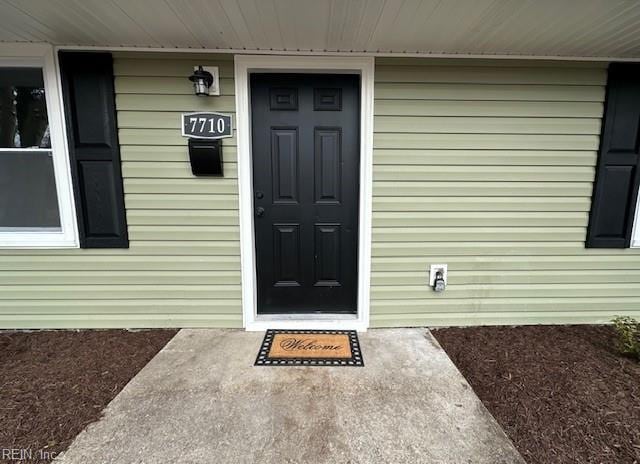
310	348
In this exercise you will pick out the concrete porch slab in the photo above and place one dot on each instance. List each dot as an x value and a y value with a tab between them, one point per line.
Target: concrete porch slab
201	400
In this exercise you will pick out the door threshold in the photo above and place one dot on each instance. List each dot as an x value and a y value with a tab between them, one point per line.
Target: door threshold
327	321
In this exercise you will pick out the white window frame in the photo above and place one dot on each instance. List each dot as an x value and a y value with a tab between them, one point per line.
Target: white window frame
43	56
244	66
635	232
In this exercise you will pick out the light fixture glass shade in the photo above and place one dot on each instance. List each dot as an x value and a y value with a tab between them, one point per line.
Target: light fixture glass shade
200	87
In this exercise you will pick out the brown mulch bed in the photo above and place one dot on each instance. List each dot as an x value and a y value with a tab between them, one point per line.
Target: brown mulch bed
54	383
561	393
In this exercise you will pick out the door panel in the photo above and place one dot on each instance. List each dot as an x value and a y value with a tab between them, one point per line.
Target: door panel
305	135
284	157
327	243
286	253
327	169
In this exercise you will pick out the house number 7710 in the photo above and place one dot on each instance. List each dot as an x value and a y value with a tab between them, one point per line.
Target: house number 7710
219	125
206	125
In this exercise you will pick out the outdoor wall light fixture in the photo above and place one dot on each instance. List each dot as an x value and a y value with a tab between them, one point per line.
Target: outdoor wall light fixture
202	80
438	277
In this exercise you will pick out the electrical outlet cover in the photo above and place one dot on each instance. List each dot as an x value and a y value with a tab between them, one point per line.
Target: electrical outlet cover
432	273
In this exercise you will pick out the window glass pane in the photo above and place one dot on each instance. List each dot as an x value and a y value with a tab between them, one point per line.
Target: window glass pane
28	190
23	109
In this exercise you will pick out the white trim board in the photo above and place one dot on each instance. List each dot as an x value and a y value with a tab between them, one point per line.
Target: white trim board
245	65
635	231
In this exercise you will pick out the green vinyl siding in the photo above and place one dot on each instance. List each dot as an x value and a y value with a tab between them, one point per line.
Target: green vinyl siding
488	166
183	265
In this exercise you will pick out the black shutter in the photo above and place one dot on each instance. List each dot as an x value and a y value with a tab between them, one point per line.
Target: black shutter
87	84
616	185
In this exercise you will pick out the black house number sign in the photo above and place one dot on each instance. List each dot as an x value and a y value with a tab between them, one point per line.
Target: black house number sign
206	125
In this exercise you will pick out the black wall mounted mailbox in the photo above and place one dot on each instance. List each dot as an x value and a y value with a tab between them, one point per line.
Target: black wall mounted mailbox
205	157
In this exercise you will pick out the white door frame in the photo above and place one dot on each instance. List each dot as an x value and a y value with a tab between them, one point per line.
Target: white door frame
244	66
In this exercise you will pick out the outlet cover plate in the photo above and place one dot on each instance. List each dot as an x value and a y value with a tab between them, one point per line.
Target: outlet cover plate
432	273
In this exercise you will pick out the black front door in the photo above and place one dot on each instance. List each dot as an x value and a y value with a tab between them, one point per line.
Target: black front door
306	156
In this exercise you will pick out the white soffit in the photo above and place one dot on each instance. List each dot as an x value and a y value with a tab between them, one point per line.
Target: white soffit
552	28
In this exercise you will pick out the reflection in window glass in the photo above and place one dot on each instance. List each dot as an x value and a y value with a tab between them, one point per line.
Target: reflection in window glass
28	198
23	109
28	190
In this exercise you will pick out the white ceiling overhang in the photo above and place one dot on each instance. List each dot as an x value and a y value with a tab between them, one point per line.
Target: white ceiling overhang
603	29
